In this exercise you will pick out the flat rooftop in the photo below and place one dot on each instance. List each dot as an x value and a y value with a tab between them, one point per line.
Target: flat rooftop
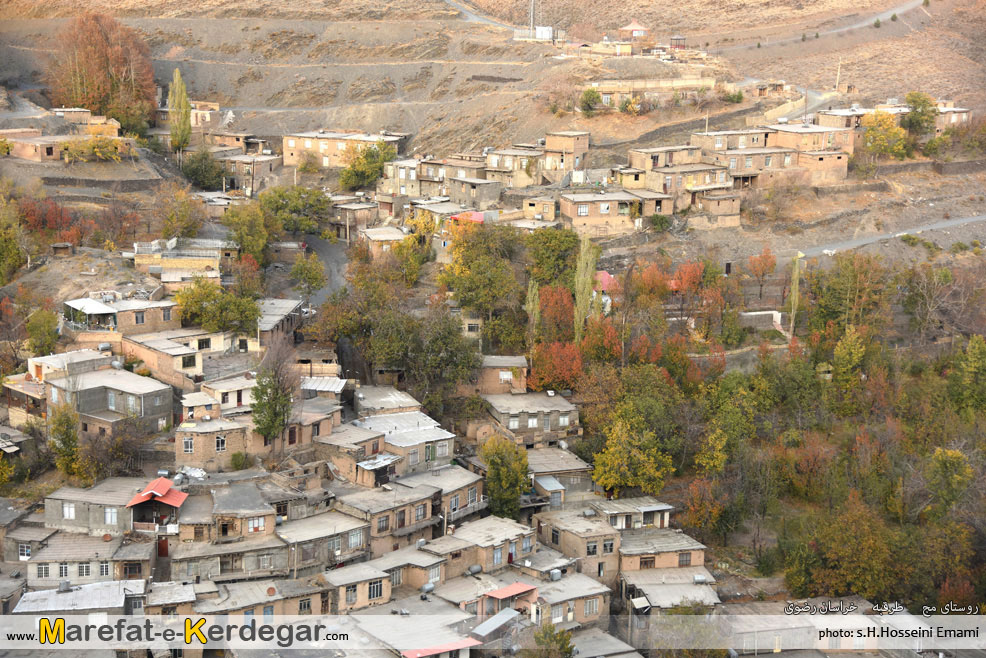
317	526
491	531
647	541
383	398
447	478
507	403
272	311
121	380
554	460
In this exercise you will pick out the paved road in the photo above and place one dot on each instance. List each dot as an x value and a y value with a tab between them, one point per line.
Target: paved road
848	245
333	256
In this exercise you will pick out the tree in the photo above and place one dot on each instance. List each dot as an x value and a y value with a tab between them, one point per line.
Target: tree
203	170
182	216
589	100
248	230
854	291
366	167
246	278
277	383
179	113
555	314
550	642
65	438
883	138
103	66
762	266
585	284
6	471
298	209
42	332
711	459
555	366
970	380
949	474
553	254
309	273
921	113
205	303
631	460
440	358
506	475
480	272
928	298
846	370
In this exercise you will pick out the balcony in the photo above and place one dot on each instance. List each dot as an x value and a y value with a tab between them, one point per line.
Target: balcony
414	527
156	528
466	510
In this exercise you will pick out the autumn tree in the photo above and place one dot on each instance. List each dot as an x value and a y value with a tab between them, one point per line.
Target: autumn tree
181	215
555	313
206	304
883	138
179	113
856	291
631	460
585	284
969	381
553	254
297	209
42	332
847	364
480	273
761	266
506	475
921	114
929	297
247	281
551	642
277	384
103	66
366	166
687	284
949	474
64	434
554	366
309	274
253	230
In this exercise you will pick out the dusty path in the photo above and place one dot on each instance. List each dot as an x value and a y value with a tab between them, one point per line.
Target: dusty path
470	16
846	245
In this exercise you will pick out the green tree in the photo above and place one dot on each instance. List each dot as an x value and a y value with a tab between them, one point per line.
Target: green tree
309	273
506	475
589	100
631	460
480	272
883	138
248	229
231	313
366	167
441	358
179	113
194	299
711	458
273	393
203	170
847	364
6	471
551	642
553	254
949	475
42	332
854	291
298	209
969	383
585	284
182	215
921	113
65	438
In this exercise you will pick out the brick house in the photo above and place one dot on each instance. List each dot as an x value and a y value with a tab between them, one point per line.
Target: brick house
476	193
590	538
83	559
565	150
325	540
535	419
498	374
209	442
358	454
462	490
381	240
415	437
515	166
600	214
329	149
25	393
398	517
127	316
357	586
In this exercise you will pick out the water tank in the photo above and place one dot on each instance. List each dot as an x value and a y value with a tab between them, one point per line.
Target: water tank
421	543
64	586
427	588
474	569
555	574
117	364
103	347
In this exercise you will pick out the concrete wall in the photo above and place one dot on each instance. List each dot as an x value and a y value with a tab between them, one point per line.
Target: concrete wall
204	453
89	517
661	560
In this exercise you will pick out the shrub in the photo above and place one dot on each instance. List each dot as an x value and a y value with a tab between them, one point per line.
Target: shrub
239	461
95	149
804	37
876	23
309	163
959	247
893	17
203	170
661	223
589	100
735	97
758	44
4	147
976	243
910	240
816	35
630	106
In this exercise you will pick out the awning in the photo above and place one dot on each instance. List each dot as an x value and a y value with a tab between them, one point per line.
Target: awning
162	490
509	591
441	648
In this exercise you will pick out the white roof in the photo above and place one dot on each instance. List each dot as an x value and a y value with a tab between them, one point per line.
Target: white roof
801	128
357	137
325	384
507	403
375	398
90	306
121	380
95	596
64	359
384	233
606	196
197	400
319	525
273	311
406	429
497	361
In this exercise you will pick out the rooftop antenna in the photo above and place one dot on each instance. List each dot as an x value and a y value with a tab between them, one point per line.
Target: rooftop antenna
838	75
533	2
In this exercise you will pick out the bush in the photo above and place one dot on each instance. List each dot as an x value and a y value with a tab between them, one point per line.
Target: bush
910	240
660	223
203	170
769	561
976	244
4	147
589	100
735	97
804	37
309	163
816	35
937	146
876	23
95	149
151	143
959	247
894	18
239	461
630	106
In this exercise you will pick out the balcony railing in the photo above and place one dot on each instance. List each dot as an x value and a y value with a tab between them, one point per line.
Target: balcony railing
156	528
466	510
413	527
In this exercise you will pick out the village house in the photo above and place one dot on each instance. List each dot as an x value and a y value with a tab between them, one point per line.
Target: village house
431	628
633	513
411	568
721	140
114	597
209	442
759	167
156	508
497	375
381	240
575	601
323	541
332	149
110	400
376	400
357	586
415	437
602	214
349	216
10	515
645	159
174	281
687	182
263	599
185	255
539	208
244	141
565	150
487	596
204	114
23	541
322	387
633	31
127	316
534	419
578	533
559	474
99	510
357	454
249	174
234	394
434	173
493	542
398	516
25	392
462	490
516	166
83	559
279	318
808	137
177	356
400	177
477	193
658	548
171	598
950	116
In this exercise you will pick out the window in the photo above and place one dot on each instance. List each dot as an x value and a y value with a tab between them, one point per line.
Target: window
441	449
291	143
498	555
453	503
563	420
85	427
139	317
647	563
419	512
472	496
355	538
412	457
603	208
532	422
188	361
376	589
684	559
472	327
305	607
525	545
220	444
583	210
166	314
247	617
787	159
513	423
131	404
131	570
224	399
554	536
718	142
255	524
104	568
308	143
607	546
435	573
268	613
557	614
63	569
109	516
340	146
42	571
84	570
205	343
54	395
316	428
188	445
767	161
396	577
23	551
748	164
350	594
591	607
68	510
402	173
335	545
265	562
591	548
383	524
732	163
506	376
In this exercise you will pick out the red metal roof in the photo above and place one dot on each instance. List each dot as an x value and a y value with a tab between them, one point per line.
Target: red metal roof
469	216
162	490
441	648
634	25
511	590
605	280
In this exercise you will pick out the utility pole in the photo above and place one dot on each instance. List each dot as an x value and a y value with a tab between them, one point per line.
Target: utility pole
795	280
838	75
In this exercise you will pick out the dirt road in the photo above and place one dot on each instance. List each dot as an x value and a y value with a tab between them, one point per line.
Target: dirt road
848	245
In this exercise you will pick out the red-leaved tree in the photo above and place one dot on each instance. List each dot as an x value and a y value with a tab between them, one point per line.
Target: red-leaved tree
555	366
